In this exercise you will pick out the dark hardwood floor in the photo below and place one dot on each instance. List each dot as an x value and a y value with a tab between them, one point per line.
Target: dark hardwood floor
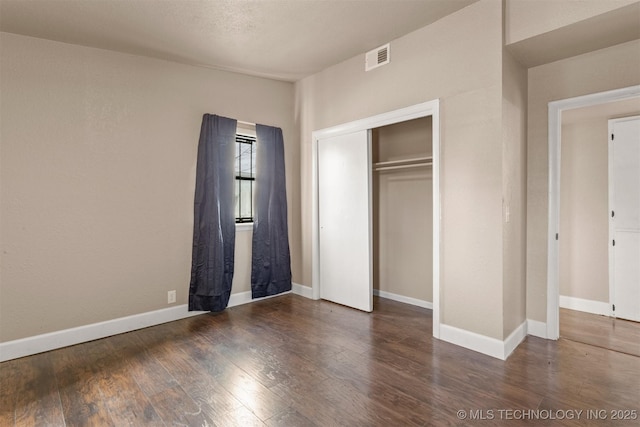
290	361
601	331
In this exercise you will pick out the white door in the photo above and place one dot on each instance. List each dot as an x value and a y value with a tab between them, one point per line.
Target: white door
624	178
344	214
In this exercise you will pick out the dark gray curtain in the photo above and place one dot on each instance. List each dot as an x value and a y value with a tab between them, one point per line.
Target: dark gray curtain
271	261
214	225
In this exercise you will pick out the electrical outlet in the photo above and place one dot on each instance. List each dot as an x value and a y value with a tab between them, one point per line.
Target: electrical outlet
171	297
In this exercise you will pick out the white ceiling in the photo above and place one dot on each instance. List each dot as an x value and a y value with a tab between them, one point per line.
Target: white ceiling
282	39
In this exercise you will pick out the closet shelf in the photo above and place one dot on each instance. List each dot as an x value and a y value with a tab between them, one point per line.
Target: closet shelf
403	164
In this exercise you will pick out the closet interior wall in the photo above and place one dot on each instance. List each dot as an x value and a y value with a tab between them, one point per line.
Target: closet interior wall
402	209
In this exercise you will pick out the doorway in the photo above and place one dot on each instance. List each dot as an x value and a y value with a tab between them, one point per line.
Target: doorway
427	109
579	302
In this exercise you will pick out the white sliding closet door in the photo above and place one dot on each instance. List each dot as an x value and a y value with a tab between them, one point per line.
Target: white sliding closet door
344	214
625	218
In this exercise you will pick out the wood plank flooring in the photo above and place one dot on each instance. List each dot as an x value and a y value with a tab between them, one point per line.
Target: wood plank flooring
290	361
601	331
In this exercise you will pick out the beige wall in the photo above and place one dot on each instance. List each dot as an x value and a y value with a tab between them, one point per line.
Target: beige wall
403	212
602	70
584	204
458	60
97	179
514	180
583	211
405	140
530	18
544	31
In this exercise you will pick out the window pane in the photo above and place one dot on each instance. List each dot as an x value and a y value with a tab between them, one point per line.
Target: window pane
246	196
237	190
253	160
246	160
236	163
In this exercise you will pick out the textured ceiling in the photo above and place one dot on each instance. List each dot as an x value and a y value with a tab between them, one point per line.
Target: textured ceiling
283	39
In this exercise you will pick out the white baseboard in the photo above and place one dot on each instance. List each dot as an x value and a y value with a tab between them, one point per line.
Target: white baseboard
245	297
58	339
402	298
301	290
514	339
53	340
588	306
482	344
66	337
536	328
476	342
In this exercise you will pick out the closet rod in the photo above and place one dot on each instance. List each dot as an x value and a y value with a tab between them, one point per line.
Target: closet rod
388	168
404	161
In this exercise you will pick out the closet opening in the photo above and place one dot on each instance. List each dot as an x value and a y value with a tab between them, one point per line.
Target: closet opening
402	211
376	210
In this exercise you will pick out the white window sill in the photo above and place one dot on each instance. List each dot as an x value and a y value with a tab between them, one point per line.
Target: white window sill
244	226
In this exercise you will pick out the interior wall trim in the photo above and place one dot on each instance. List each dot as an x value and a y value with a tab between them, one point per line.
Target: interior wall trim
50	341
514	339
304	291
536	328
483	344
585	305
403	299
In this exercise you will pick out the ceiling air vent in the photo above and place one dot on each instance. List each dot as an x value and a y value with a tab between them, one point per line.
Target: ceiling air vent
377	57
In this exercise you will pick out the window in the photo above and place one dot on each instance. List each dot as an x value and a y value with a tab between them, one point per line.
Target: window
245	166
